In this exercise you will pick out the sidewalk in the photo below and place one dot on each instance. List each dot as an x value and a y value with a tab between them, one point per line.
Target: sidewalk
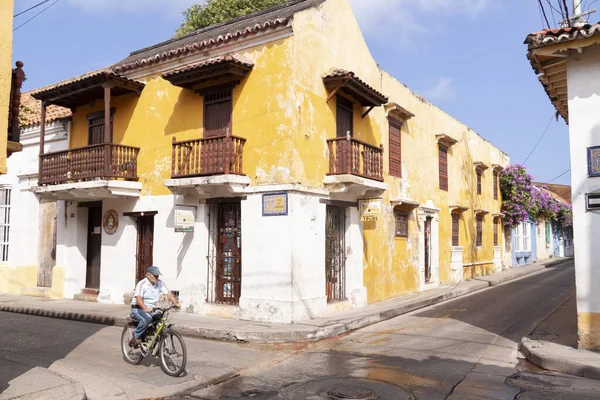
553	345
250	331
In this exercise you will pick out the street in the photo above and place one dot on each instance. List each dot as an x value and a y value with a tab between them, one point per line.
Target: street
461	349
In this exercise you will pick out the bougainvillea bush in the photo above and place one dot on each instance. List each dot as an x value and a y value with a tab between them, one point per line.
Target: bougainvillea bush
521	198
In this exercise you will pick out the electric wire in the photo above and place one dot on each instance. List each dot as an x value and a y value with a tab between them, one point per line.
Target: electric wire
540	139
560	176
31	8
543	13
36	15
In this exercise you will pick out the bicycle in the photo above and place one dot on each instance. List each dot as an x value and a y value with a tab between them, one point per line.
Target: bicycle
159	337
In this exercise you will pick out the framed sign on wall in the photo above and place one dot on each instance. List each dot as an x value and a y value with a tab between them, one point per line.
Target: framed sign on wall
593	155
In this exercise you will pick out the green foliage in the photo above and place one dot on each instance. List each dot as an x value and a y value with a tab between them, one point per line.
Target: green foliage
216	11
24	112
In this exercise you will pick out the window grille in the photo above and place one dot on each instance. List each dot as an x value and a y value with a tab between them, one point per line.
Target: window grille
5	194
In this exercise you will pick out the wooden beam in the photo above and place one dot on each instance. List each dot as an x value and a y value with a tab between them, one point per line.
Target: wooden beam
367	112
42	139
333	93
107	138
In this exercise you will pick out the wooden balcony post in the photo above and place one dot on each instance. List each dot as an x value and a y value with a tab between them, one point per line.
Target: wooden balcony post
228	145
348	153
107	126
42	140
173	157
380	158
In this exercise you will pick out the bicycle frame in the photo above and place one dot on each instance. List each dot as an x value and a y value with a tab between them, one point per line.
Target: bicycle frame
151	341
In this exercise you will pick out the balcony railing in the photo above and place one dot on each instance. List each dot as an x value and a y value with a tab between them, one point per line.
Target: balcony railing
207	156
348	155
101	161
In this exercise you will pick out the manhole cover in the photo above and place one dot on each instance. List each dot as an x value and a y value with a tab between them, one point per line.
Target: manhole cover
352	393
345	389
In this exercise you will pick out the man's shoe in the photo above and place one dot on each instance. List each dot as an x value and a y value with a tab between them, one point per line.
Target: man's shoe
134	342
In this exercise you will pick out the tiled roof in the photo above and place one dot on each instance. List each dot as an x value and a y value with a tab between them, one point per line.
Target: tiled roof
549	37
342	73
98	72
561	193
215	35
33	113
231	58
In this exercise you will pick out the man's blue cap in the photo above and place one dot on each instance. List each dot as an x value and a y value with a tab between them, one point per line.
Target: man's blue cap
153	270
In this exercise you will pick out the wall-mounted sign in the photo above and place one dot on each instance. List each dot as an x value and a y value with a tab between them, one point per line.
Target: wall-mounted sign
275	204
592	201
593	161
369	209
110	222
185	217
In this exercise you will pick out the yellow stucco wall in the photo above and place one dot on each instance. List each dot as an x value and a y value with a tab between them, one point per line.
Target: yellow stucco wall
6	35
280	109
329	37
23	280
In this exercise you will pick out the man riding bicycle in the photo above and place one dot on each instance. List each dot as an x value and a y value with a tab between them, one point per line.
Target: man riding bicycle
146	295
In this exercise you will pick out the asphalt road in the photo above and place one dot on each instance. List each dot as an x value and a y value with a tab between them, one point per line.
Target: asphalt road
461	349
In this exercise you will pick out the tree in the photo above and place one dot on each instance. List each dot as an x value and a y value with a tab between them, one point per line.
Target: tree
216	11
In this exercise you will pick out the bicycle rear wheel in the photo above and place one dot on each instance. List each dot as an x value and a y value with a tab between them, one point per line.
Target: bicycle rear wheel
173	353
131	355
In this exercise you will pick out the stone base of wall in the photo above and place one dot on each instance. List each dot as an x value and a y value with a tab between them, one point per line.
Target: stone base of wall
588	329
282	311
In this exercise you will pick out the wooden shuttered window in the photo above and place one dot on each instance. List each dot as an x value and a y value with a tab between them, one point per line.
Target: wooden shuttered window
495	185
478	172
455	230
395	148
443	161
401	223
496	223
344	117
96	127
479	237
217	112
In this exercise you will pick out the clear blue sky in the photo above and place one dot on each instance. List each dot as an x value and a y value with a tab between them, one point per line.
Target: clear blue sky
465	56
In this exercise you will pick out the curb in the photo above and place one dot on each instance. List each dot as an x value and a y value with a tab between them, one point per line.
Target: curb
73	391
532	349
318	333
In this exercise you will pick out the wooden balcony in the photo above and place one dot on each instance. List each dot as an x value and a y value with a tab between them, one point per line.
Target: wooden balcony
96	162
219	155
348	155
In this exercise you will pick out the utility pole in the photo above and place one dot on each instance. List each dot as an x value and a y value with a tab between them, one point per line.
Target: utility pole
578	17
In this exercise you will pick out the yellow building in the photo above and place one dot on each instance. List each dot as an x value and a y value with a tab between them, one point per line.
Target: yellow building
271	170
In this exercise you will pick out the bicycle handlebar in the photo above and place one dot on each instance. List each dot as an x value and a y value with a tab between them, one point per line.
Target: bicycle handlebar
164	310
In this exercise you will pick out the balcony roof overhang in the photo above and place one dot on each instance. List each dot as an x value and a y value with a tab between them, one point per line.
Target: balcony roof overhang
479	165
228	66
351	187
87	88
204	187
395	109
348	83
404	203
90	190
456	209
480	211
446	140
13	147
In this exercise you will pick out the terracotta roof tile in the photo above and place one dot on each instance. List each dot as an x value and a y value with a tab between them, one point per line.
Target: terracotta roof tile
98	72
215	35
234	58
33	113
340	73
549	37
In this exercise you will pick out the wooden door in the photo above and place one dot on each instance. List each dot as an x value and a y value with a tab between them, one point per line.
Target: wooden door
145	246
94	248
229	254
428	249
344	126
47	242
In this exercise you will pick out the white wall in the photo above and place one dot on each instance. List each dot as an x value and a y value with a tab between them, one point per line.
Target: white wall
283	260
21	177
584	130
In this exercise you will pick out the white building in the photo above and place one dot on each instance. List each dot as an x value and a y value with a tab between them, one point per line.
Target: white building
28	226
567	62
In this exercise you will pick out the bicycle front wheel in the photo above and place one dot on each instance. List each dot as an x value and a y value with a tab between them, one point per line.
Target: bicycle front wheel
131	355
173	354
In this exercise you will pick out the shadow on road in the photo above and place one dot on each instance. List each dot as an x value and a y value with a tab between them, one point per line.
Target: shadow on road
29	341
